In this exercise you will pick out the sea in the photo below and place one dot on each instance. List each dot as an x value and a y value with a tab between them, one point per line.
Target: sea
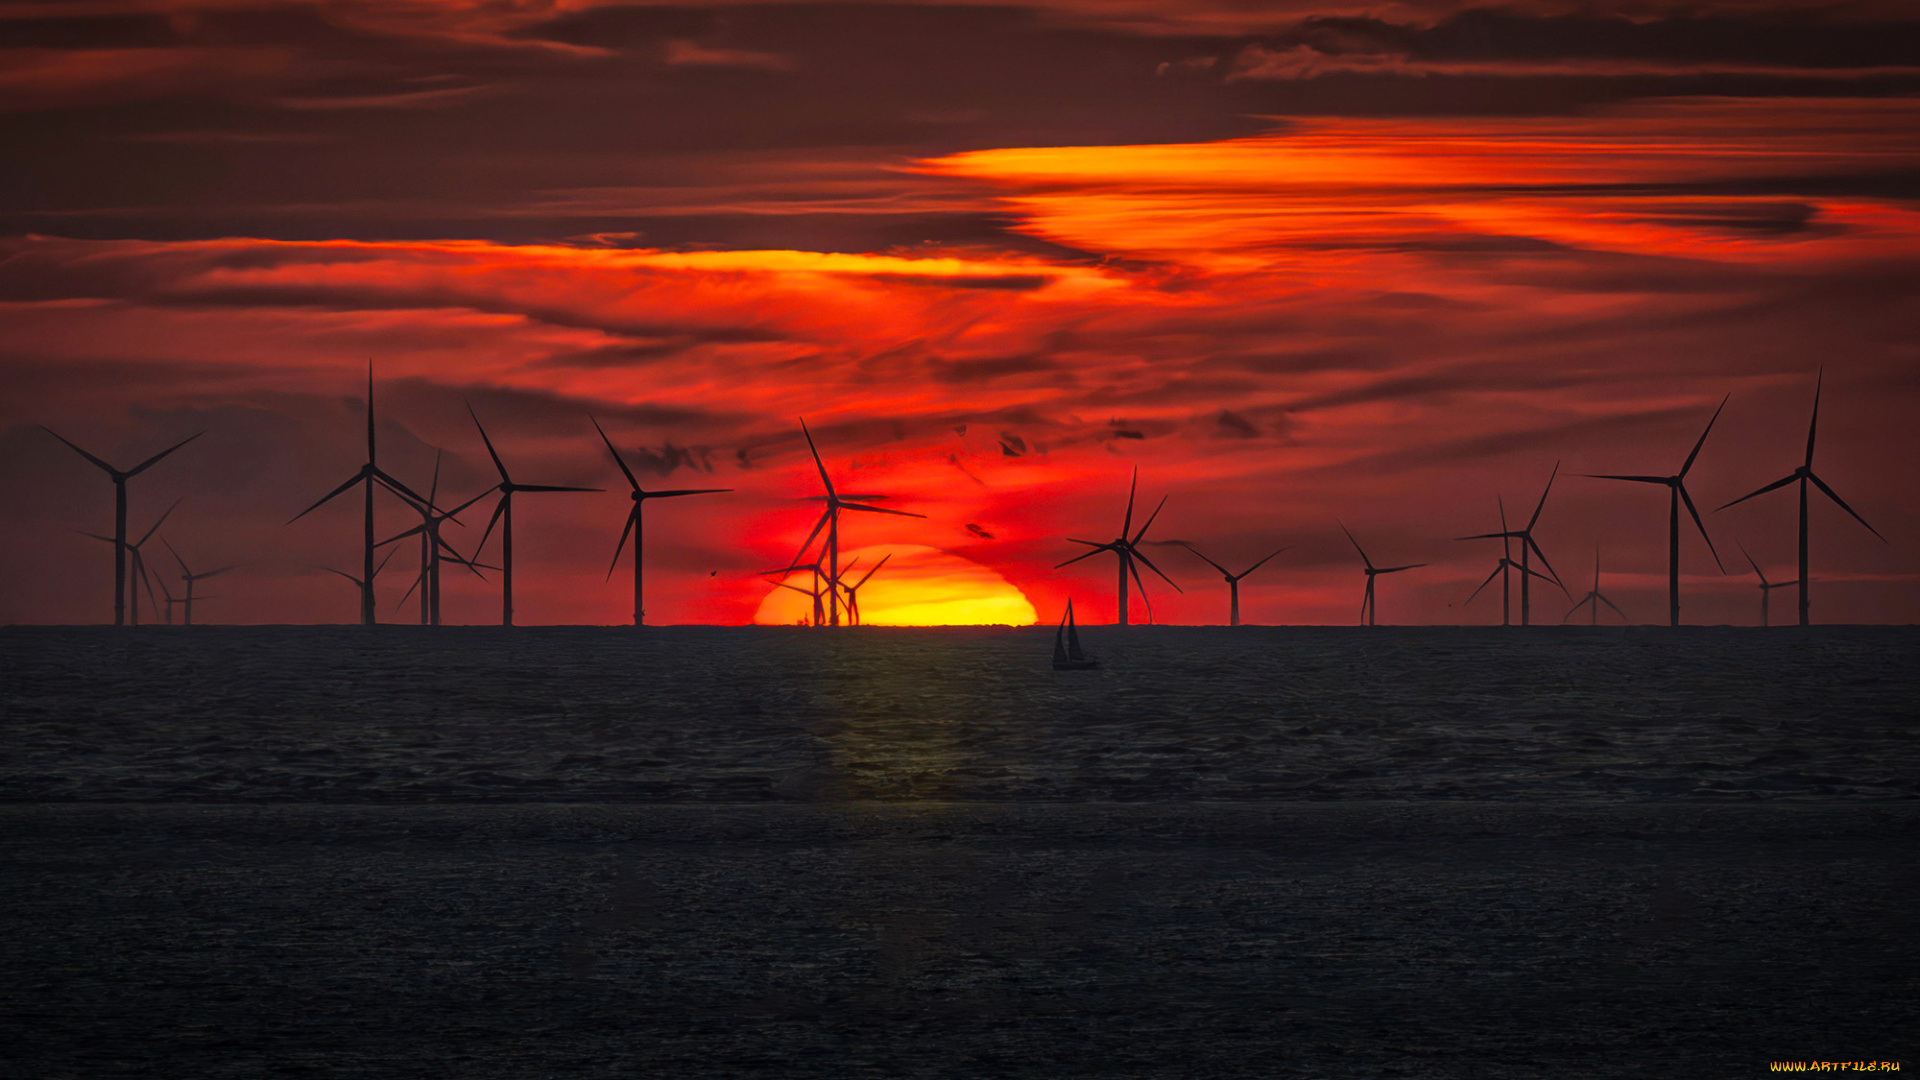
892	852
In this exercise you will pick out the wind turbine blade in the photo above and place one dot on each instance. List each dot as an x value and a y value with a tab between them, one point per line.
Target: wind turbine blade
449	515
876	567
1261	563
1750	562
812	536
1535	573
1815	422
417	579
143	466
499	508
1822	485
472	566
414	498
1703	438
1543	498
1588	599
1203	558
551	487
1688	499
370	456
213	573
1098	548
342	573
504	478
878	510
433	486
1126	525
384	562
110	469
184	572
1089	543
685	491
1488	536
1617	476
622	545
818	464
1155	569
97	536
1609	603
415	531
1502	504
1780	483
617	460
1529	541
342	489
1397	569
1150	520
1484	584
1356	543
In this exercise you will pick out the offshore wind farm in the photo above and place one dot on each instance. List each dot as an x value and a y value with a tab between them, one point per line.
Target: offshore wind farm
1062	619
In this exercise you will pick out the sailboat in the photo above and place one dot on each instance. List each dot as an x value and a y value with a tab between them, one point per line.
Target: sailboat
1066	646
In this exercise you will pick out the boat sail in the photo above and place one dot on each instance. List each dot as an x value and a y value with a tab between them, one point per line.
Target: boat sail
1066	646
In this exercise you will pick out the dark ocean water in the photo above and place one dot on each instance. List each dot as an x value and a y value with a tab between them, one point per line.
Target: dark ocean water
716	853
340	714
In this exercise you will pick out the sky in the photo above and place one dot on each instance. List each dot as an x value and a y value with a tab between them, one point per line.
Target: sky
1303	265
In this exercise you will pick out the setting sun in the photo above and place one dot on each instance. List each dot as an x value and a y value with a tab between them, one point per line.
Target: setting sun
919	586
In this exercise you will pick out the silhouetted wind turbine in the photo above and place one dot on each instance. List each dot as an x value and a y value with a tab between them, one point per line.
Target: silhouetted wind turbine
853	590
1803	474
830	520
120	478
139	562
1594	598
190	578
1527	545
1128	551
431	545
1502	568
820	586
1233	579
370	474
1367	610
1766	587
634	523
503	516
1676	494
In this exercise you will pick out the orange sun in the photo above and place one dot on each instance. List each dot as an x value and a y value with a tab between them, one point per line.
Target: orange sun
919	586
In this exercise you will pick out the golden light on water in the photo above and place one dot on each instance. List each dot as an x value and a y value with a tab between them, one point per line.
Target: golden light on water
919	586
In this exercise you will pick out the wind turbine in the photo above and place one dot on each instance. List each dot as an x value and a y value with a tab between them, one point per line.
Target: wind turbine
1766	587
370	474
818	592
1367	609
1594	598
1128	551
1527	545
1676	494
634	524
1502	568
503	516
431	545
1803	474
190	577
853	590
830	520
139	562
120	478
1233	579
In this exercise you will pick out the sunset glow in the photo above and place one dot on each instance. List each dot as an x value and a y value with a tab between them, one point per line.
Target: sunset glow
1381	270
918	586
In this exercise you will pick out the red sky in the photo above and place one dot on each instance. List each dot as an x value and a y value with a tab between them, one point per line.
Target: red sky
1301	265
